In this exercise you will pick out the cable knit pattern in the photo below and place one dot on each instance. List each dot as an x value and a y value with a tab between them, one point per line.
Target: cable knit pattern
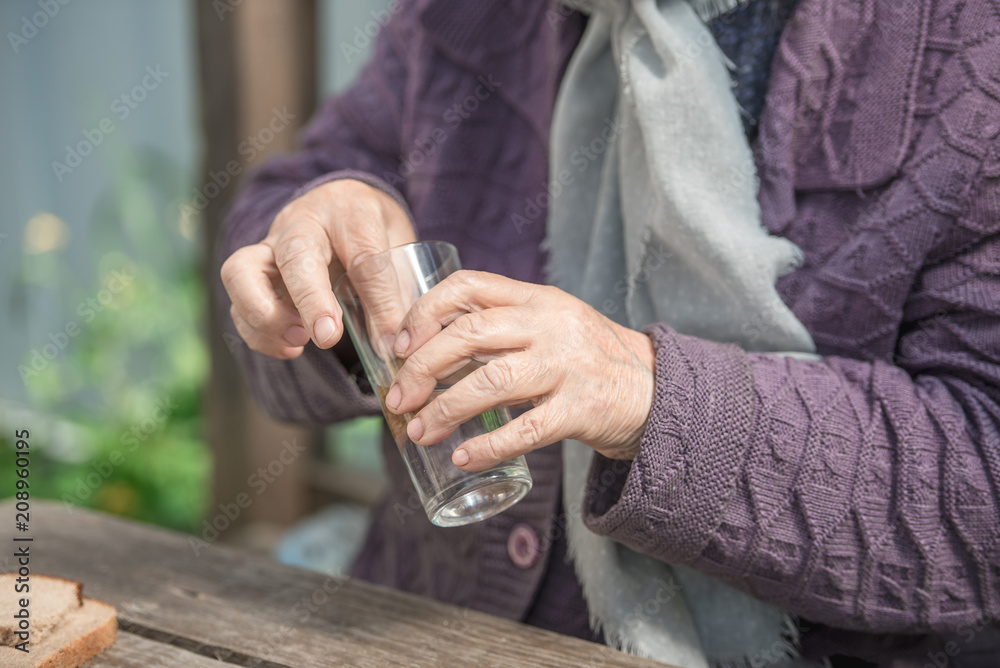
860	491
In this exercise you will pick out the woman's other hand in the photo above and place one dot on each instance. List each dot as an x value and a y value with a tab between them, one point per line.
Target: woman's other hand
587	377
281	288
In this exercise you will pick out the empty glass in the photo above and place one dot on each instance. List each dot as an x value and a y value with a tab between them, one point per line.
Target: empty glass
375	298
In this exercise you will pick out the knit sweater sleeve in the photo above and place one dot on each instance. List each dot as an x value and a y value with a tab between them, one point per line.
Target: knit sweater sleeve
859	494
355	135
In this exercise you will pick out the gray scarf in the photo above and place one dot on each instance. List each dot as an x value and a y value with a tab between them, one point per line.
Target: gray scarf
658	221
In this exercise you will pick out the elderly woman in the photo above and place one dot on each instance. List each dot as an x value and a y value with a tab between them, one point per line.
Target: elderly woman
853	487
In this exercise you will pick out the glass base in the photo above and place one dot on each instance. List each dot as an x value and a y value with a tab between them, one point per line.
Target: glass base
478	498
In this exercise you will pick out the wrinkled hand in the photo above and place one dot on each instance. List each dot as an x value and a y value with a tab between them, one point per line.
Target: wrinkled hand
281	287
587	377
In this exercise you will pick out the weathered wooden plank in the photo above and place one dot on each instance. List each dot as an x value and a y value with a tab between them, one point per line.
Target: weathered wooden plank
132	651
224	603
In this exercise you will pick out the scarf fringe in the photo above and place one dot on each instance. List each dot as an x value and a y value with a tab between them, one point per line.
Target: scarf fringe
613	631
616	638
789	650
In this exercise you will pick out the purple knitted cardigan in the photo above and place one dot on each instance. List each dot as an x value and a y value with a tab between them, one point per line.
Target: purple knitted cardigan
861	492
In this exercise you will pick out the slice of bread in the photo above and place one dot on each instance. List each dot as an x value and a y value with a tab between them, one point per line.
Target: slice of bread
85	627
51	598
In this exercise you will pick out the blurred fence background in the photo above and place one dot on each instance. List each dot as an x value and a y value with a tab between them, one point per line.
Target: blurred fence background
114	115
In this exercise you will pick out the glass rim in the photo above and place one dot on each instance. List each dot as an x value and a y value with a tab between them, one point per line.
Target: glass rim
394	249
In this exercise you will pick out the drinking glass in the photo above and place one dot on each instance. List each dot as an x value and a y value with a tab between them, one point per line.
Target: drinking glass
376	296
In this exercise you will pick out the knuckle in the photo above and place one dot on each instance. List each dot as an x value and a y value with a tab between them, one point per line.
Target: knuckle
362	251
493	447
549	294
252	338
532	429
298	248
416	367
472	325
466	279
257	314
497	375
306	295
445	410
416	313
465	276
231	267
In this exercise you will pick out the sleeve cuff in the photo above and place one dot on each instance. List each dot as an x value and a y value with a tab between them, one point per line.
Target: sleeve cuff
668	501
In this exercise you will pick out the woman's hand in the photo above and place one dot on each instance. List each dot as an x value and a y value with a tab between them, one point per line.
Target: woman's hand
281	287
587	377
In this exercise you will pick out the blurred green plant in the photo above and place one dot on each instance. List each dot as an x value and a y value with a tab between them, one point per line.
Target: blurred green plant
119	406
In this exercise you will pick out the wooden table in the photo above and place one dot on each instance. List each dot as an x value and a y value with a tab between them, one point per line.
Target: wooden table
223	607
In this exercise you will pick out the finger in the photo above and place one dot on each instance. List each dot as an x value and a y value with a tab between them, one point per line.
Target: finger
526	433
504	380
256	340
368	223
303	256
249	275
463	292
381	287
472	336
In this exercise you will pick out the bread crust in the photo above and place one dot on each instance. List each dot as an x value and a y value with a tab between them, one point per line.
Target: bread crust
81	633
87	646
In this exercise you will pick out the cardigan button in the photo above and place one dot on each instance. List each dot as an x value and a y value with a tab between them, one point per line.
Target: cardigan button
523	546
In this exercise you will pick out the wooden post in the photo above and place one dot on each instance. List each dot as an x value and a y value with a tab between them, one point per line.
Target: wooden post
254	56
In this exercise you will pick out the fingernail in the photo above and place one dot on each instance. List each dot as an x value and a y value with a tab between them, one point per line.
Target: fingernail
296	335
324	329
415	429
394	397
402	342
460	457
